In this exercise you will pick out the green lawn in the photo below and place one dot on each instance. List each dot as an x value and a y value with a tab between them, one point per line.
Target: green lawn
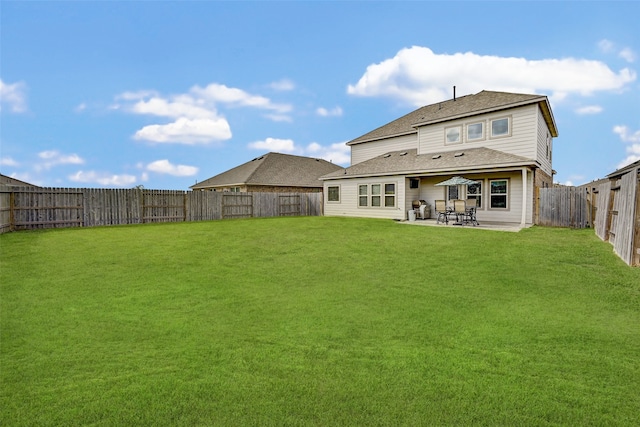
316	321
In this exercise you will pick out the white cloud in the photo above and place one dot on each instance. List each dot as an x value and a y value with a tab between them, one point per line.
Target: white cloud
165	167
626	135
337	111
627	54
605	45
54	158
633	147
218	93
589	109
279	117
419	76
274	144
338	153
13	96
8	161
283	85
186	131
105	179
195	113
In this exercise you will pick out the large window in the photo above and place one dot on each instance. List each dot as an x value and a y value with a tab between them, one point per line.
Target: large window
452	192
500	127
475	131
474	191
372	195
375	195
453	135
499	194
363	195
389	195
333	193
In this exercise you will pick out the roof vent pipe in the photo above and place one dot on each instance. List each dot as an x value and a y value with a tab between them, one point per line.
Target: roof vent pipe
454	93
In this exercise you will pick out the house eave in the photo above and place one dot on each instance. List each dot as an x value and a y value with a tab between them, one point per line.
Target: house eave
362	141
541	99
442	171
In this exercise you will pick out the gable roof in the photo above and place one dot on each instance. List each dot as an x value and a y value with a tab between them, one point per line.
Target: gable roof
623	170
464	106
273	169
13	182
408	162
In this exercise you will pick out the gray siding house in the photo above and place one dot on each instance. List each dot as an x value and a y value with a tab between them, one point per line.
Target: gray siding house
504	141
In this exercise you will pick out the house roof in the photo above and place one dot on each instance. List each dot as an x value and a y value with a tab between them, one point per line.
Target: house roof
9	181
273	169
624	169
408	162
464	106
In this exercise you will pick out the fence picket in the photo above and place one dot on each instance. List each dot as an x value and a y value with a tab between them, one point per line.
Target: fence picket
25	208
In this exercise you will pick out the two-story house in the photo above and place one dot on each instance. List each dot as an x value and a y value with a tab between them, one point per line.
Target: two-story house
503	141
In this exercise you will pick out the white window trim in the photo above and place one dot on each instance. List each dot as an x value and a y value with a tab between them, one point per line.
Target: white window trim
339	194
509	126
382	195
446	130
507	194
482	136
482	198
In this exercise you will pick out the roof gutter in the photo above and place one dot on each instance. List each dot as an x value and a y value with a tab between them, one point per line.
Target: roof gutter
442	171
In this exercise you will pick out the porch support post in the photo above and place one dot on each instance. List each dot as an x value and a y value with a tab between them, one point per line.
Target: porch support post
523	220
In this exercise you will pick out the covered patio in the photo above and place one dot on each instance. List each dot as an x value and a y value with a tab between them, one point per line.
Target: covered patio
484	225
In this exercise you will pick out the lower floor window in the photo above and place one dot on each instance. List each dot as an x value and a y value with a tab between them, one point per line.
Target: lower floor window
333	193
498	196
373	195
474	191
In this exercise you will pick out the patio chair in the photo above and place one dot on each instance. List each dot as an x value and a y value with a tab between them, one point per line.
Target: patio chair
442	211
460	210
471	205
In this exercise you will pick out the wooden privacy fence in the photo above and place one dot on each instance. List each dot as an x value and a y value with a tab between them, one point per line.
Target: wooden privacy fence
563	207
618	215
26	208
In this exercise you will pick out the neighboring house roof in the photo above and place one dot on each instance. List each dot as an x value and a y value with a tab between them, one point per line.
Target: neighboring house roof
8	181
624	170
407	162
464	106
273	169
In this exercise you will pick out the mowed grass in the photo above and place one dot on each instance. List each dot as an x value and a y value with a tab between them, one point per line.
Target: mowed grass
316	322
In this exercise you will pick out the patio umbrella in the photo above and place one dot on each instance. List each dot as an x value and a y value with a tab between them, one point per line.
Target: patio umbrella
457	180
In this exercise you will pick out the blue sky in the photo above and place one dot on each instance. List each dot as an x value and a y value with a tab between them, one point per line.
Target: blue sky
164	94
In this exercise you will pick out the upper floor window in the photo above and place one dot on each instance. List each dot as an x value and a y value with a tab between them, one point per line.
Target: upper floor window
453	135
475	131
500	127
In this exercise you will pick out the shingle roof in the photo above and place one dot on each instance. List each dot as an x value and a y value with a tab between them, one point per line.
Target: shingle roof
409	162
13	182
624	170
273	169
469	105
